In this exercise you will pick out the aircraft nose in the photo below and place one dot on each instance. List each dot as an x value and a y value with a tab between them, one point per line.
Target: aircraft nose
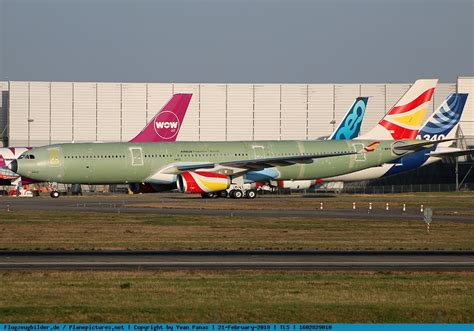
13	166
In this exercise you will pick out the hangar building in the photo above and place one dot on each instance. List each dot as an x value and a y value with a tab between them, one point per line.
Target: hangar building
38	113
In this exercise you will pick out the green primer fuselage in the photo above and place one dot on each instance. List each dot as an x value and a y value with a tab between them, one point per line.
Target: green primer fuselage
114	163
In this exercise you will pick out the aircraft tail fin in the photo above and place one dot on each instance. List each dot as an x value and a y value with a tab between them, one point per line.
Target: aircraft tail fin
349	127
443	123
404	120
165	125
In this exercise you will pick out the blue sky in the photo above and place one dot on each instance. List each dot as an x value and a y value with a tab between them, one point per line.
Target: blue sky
229	41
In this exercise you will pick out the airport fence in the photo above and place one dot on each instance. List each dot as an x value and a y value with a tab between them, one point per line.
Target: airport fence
410	188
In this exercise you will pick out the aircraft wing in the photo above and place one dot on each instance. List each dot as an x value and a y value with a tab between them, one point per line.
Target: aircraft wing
462	152
258	164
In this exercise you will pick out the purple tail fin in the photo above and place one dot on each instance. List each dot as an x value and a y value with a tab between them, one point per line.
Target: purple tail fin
166	124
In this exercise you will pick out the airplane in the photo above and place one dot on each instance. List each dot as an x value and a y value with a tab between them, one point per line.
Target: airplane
163	127
402	122
205	167
442	124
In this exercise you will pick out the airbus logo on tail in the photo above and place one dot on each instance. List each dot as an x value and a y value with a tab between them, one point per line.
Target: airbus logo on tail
166	124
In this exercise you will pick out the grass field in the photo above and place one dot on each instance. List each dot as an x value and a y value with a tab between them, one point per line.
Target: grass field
237	296
87	230
454	203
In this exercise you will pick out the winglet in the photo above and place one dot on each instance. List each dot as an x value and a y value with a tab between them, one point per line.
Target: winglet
165	125
349	128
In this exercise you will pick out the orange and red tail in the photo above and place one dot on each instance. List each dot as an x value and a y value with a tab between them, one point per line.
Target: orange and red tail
405	119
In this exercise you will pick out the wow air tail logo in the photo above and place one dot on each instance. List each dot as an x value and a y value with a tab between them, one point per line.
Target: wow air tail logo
403	122
166	124
371	147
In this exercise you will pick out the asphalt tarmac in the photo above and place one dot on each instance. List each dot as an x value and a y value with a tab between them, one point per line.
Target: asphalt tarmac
124	204
208	260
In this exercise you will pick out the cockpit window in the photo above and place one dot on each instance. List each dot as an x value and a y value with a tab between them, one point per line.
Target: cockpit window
27	156
21	157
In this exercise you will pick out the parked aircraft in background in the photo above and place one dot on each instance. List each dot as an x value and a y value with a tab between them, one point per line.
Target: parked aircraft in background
163	127
7	155
205	167
402	122
442	124
349	127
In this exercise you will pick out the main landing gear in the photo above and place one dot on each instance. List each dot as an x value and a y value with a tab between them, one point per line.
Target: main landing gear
234	193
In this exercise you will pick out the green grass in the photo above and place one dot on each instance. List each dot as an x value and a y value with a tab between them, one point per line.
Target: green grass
454	203
237	296
85	230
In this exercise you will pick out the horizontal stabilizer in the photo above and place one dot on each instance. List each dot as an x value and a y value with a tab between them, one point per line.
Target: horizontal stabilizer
404	147
462	152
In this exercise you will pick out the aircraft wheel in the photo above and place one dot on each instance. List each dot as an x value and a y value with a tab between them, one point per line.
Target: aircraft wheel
222	194
238	194
251	194
205	195
55	194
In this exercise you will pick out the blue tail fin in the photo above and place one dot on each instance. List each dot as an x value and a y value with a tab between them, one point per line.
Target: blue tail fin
349	128
442	123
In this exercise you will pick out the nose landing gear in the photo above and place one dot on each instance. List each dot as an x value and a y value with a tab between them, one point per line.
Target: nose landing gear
55	194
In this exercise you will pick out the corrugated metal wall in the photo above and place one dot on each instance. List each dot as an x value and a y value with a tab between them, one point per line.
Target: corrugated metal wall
466	85
51	112
3	113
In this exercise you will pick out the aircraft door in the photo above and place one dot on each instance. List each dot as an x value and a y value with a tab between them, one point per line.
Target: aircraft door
359	148
54	157
258	151
137	156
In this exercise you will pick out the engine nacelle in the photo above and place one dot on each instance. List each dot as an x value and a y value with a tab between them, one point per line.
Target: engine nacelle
202	182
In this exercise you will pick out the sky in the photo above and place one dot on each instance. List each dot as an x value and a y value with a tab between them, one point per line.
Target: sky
230	41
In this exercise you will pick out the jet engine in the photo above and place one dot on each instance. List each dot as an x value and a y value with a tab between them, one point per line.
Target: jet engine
202	182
